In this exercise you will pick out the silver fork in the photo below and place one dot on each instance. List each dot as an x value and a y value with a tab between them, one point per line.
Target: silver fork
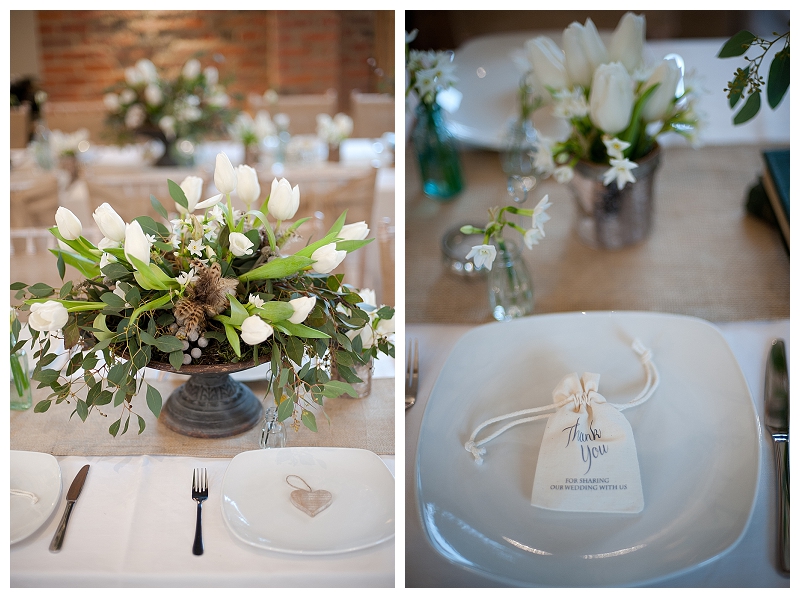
412	372
199	493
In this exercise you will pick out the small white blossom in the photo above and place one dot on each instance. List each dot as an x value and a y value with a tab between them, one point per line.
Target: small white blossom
615	147
532	237
621	171
255	300
539	214
563	174
185	278
196	247
483	256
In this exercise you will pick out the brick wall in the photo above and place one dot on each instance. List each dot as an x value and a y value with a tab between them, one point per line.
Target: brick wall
85	51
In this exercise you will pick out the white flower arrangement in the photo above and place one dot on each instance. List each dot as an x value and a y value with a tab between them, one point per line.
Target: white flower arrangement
617	105
334	130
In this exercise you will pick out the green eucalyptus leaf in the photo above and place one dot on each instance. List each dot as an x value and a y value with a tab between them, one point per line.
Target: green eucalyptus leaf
736	45
158	207
141	423
168	343
113	429
176	359
275	311
749	110
41	290
154	400
778	82
177	194
337	388
42	406
285	409
309	420
83	409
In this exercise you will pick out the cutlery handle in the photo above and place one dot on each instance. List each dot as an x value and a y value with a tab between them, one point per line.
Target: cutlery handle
58	538
197	548
782	472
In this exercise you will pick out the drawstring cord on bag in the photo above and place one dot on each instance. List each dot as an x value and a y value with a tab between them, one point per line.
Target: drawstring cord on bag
651	383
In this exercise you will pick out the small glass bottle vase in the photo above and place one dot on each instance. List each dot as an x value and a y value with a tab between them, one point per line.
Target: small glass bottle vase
437	154
21	394
510	286
273	432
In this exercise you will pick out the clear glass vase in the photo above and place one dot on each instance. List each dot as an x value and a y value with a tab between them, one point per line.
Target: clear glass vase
510	286
437	154
273	432
21	394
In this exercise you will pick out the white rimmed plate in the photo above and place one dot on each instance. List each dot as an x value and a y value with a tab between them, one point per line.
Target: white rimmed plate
256	506
40	474
697	440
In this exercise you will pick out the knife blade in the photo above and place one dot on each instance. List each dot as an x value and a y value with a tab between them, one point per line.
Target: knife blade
72	495
776	419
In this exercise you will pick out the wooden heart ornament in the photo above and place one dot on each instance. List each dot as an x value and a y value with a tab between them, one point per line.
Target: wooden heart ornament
311	503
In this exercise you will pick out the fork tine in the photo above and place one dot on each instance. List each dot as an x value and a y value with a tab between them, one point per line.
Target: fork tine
194	480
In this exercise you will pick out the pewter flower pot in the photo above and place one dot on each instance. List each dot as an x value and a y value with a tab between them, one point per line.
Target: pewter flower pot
609	217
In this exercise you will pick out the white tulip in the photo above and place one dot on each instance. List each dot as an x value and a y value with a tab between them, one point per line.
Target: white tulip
212	75
211	201
659	105
356	231
247	187
153	95
111	101
49	316
611	98
110	223
584	51
367	336
147	71
302	307
627	42
326	258
68	224
127	96
385	327
224	174
240	245
547	61
136	243
191	69
167	124
255	330
135	116
106	243
192	187
368	297
283	199
132	76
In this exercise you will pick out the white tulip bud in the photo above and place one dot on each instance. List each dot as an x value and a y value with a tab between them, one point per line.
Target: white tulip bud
627	42
302	307
247	186
191	69
68	224
356	231
49	316
224	174
611	98
110	223
326	258
240	245
283	199
255	330
136	243
192	187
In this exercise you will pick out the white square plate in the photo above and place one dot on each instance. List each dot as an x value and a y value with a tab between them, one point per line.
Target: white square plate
697	439
257	509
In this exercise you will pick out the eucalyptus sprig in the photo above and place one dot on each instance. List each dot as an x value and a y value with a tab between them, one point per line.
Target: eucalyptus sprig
748	81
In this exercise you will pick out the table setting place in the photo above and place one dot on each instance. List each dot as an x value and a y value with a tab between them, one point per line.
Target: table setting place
201	404
597	374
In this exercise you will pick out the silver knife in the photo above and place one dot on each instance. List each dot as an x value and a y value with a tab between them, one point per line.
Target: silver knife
72	496
776	419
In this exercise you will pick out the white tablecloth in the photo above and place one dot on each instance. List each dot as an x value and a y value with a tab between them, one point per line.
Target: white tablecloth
133	526
751	563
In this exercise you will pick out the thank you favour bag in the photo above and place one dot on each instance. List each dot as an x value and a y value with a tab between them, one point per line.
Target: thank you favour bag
587	461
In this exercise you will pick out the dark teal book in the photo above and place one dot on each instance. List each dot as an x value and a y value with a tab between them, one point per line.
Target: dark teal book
776	184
